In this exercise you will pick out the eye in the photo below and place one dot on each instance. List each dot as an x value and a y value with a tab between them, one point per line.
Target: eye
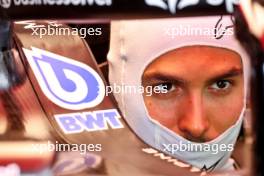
165	87
220	85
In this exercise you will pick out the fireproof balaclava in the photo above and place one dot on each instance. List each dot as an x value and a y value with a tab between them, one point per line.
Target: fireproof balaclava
134	44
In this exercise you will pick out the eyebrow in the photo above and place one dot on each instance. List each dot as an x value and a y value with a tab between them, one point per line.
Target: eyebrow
158	76
167	77
229	73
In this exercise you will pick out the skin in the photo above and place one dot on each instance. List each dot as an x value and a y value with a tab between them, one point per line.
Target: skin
204	91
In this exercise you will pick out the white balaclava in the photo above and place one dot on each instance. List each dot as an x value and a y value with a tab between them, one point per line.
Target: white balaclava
134	44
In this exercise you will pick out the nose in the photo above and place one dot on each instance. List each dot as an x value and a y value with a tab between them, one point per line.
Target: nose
193	122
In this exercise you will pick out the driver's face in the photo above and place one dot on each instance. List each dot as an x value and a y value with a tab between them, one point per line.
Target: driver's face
204	91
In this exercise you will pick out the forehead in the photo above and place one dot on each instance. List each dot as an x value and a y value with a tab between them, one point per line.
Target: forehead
195	60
